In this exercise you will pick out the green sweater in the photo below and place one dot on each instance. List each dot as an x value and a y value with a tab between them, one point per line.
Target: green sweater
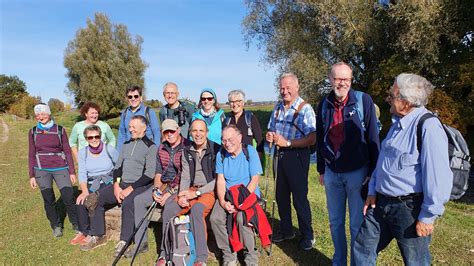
77	134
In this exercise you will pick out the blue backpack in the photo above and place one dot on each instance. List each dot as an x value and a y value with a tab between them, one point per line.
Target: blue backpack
179	244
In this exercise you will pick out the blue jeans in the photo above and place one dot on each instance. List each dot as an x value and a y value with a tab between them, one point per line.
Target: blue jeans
392	218
339	188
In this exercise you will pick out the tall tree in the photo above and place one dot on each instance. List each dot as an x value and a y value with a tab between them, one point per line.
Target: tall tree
101	62
56	105
12	89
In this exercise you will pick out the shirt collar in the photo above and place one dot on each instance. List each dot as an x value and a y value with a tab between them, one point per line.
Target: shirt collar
295	104
405	121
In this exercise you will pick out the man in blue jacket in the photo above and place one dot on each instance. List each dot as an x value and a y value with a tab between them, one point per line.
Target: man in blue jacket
137	107
347	151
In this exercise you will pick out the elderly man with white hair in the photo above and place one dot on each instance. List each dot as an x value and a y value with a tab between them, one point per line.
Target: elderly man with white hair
409	185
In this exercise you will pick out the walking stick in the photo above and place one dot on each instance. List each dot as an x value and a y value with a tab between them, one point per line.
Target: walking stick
267	169
275	174
127	244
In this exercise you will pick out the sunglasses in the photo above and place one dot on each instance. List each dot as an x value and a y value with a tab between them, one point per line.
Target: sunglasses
169	131
133	96
93	137
203	99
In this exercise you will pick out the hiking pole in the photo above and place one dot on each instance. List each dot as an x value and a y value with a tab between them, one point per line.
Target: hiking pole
267	169
275	174
130	239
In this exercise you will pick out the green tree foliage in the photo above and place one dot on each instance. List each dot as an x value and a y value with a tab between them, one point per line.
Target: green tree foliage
56	105
11	90
430	38
153	103
24	106
101	62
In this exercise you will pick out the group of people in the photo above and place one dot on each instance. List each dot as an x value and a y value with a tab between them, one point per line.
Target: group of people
198	159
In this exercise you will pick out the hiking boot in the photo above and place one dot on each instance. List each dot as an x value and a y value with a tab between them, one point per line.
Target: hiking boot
280	236
199	263
58	231
94	242
78	239
230	263
160	262
143	248
119	247
90	202
307	244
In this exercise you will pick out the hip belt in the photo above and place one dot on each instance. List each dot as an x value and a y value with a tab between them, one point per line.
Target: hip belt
401	198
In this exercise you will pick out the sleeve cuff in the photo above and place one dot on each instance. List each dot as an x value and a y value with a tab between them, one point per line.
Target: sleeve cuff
426	217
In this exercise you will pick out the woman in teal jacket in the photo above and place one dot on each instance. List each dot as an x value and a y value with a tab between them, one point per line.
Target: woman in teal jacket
210	112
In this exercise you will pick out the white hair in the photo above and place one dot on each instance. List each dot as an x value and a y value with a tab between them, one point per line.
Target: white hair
236	93
168	84
289	75
414	88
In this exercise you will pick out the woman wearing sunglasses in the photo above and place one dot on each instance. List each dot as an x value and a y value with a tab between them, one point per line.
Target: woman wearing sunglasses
90	112
96	162
210	112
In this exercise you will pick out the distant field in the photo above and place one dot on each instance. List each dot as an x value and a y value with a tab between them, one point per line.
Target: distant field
25	236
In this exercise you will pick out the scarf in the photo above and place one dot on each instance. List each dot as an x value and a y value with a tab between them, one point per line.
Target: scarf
46	126
97	149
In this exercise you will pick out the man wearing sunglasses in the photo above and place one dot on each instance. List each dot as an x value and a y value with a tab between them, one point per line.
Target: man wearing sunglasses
136	107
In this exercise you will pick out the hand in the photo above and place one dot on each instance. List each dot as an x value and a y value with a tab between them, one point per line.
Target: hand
279	140
423	229
117	192
80	199
126	192
183	199
269	136
73	179
370	201
321	180
33	184
229	207
164	198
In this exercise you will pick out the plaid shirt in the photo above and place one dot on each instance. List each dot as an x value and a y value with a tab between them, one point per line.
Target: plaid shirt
306	120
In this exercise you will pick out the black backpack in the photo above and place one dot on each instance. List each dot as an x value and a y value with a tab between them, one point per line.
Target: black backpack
459	156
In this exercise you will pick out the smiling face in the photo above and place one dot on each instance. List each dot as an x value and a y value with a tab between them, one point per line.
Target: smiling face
134	99
289	89
137	128
171	94
207	101
341	80
172	136
398	106
43	118
232	140
236	104
199	133
92	115
93	138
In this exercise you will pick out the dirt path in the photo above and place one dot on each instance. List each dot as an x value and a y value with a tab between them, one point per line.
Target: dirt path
5	131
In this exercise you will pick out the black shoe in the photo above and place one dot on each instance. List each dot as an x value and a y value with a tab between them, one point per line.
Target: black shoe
280	236
307	244
130	251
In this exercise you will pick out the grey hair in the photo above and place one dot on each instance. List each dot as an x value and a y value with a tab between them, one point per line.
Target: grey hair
167	84
236	93
92	128
289	75
414	89
341	63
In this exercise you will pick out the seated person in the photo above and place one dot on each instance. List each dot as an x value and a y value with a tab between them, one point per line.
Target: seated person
196	188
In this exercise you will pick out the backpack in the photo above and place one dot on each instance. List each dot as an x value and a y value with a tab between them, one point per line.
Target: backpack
108	154
459	156
179	244
59	133
312	148
124	114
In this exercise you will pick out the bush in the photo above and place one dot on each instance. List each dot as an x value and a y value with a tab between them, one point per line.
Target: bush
24	107
56	105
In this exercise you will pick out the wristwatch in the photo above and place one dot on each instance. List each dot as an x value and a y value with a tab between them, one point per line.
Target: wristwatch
288	143
198	193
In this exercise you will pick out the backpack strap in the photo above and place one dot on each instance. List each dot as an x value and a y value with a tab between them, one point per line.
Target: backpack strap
244	150
147	115
295	115
248	121
360	108
123	116
60	135
227	121
108	154
419	127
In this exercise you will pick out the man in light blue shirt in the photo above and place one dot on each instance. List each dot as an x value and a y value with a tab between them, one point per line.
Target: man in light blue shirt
409	187
137	107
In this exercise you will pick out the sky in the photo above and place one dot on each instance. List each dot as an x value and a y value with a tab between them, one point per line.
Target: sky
195	44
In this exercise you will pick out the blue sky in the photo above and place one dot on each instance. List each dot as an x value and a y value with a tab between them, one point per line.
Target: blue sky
194	43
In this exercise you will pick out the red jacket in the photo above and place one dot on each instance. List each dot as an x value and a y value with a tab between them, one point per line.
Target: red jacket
254	215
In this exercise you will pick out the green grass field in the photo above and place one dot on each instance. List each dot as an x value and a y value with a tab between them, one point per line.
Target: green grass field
25	236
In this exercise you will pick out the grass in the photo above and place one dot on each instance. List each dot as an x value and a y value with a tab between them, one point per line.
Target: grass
25	236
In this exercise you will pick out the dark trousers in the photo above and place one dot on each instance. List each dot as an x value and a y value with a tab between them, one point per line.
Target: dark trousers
106	200
44	179
292	180
83	215
392	218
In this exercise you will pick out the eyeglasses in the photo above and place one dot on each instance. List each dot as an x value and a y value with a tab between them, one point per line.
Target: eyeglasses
339	80
169	132
93	137
169	93
391	97
133	96
236	101
210	99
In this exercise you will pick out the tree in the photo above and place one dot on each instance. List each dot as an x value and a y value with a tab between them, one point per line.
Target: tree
380	41
56	105
12	89
153	103
24	106
101	62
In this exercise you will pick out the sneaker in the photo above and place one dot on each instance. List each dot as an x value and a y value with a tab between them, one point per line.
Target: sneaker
199	263
119	247
78	239
58	231
280	236
143	248
94	242
160	262
307	244
230	263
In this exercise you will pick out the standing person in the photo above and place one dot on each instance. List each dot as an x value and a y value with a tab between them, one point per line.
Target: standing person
50	158
210	112
246	121
133	174
236	164
166	182
196	189
179	111
292	129
347	151
90	112
411	182
137	107
96	162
